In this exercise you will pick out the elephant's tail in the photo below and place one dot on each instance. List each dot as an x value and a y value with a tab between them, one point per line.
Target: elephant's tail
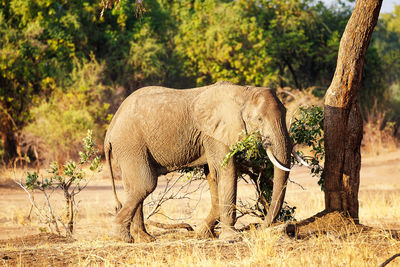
107	152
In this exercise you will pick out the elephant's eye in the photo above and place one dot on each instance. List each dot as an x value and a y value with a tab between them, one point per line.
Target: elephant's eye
260	119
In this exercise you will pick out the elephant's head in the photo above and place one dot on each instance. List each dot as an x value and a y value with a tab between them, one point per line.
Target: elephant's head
264	112
225	110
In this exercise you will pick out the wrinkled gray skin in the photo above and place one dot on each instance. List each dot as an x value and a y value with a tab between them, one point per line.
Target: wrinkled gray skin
157	130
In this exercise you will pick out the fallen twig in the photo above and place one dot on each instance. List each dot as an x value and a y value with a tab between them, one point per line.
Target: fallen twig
386	262
170	225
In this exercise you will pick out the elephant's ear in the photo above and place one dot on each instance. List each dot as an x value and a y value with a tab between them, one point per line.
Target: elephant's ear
217	112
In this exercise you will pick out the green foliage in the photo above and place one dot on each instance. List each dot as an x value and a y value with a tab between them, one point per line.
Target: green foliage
229	42
47	44
71	173
286	214
90	151
248	149
33	183
307	129
53	51
66	115
1	152
286	43
193	173
145	57
386	40
386	44
252	160
115	3
374	86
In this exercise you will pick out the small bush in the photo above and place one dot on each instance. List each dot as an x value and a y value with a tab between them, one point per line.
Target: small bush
71	179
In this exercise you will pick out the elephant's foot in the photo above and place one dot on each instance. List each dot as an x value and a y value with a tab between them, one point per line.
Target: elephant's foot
143	236
204	232
122	232
228	233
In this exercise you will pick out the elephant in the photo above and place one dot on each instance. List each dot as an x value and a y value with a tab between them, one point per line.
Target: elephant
157	130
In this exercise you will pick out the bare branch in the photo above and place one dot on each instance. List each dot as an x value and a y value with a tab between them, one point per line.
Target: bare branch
50	221
172	191
53	218
293	182
174	219
162	198
109	4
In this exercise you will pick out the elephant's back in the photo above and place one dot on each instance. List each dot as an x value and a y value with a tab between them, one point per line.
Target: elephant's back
157	99
158	119
161	89
149	107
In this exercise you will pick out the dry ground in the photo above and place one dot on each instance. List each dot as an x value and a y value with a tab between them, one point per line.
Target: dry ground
22	243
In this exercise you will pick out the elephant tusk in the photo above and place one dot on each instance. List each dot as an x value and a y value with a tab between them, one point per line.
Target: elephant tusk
299	159
274	161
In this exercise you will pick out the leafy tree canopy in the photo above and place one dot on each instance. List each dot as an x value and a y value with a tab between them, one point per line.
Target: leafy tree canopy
53	52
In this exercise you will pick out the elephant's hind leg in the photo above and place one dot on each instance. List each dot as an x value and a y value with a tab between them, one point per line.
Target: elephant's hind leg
124	218
139	182
138	229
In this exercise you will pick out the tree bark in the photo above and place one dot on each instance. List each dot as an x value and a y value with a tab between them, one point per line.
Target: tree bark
296	82
343	122
9	145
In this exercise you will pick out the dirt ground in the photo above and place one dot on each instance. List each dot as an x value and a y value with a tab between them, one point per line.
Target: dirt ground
25	241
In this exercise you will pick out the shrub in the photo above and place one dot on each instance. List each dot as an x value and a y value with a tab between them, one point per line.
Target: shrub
307	129
252	159
71	179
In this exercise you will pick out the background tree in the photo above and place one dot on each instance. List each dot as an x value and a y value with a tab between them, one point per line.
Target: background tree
386	41
55	52
61	65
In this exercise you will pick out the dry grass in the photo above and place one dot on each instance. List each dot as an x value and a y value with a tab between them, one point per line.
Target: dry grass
257	248
23	244
378	135
93	246
363	249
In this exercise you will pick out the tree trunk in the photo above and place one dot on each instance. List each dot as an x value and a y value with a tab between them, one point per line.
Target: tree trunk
9	145
296	82
343	122
8	136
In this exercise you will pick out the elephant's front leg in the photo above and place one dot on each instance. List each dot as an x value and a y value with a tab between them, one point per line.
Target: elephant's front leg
225	178
206	229
227	190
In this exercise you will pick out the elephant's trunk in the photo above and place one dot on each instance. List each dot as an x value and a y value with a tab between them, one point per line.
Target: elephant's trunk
281	149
